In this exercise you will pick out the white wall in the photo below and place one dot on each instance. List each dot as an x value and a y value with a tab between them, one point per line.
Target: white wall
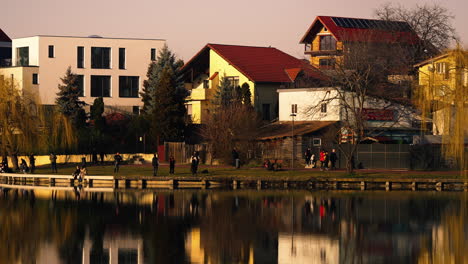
307	100
137	59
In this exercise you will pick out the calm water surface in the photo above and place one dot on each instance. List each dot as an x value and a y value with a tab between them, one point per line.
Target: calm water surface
223	226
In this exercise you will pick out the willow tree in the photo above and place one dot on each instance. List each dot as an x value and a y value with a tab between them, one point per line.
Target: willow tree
445	97
21	122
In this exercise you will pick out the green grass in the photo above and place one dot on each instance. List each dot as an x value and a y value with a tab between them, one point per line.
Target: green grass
134	171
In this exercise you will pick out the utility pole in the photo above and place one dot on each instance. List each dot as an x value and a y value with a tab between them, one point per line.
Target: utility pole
293	114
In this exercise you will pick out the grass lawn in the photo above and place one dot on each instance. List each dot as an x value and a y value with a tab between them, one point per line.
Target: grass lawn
132	171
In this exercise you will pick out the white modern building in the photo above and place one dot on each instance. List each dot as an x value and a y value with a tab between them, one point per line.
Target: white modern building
112	68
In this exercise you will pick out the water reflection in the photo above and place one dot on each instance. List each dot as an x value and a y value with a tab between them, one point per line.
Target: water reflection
202	226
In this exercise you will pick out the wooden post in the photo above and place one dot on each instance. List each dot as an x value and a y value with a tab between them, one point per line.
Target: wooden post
388	186
116	184
90	183
52	182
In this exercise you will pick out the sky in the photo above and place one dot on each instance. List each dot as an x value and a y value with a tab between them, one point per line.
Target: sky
188	25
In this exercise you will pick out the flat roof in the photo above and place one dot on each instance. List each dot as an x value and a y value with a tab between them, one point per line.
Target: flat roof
89	37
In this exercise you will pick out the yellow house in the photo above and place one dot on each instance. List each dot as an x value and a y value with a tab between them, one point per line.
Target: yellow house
329	38
263	69
445	81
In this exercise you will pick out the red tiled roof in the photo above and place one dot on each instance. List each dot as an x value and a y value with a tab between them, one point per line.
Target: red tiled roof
259	64
394	31
4	37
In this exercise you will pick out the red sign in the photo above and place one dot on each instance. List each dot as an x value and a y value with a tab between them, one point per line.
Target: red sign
377	114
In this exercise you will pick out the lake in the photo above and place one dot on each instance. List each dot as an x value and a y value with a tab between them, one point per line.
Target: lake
232	226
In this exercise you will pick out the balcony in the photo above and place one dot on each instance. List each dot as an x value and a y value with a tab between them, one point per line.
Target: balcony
199	94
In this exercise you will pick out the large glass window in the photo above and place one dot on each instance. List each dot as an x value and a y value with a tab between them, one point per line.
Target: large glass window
80	57
128	86
22	56
100	86
100	58
35	78
121	58
327	43
153	54
80	82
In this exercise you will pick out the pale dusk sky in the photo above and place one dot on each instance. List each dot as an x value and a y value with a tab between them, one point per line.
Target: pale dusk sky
188	25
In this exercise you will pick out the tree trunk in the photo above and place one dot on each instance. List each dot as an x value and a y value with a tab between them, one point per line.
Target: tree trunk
14	161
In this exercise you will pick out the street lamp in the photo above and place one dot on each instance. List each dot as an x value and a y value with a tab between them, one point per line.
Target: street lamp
293	114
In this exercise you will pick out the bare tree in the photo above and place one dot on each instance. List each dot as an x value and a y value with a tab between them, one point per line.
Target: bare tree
359	87
432	23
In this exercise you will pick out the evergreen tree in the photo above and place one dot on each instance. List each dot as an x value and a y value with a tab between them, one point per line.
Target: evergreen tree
68	101
97	109
165	58
225	94
246	94
168	115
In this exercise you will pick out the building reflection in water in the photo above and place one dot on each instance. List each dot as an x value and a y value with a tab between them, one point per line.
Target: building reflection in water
222	226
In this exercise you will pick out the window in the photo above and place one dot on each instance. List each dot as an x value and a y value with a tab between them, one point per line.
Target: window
153	54
326	63
80	84
22	56
442	68
206	84
189	111
100	58
80	57
128	86
327	43
323	108
35	78
266	111
121	58
51	51
100	86
233	80
316	142
294	109
136	110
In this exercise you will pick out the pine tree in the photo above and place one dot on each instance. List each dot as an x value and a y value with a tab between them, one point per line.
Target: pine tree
168	115
165	58
68	101
225	93
97	109
246	94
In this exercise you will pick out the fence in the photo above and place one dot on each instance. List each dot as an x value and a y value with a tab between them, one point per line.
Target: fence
182	151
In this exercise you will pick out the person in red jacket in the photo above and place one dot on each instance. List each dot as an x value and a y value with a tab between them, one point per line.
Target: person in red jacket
322	159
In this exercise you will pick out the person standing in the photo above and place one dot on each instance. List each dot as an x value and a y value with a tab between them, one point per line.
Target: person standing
171	164
94	157
155	163
194	163
235	158
117	161
53	162
307	155
322	159
327	160
32	163
313	161
102	156
333	159
83	162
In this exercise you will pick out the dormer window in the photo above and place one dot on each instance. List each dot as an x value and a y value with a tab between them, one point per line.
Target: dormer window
327	43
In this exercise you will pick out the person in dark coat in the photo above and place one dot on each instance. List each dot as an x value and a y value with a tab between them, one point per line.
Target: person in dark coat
235	158
307	155
102	156
24	166
155	163
327	160
117	161
171	164
83	162
194	160
32	162
94	159
53	162
333	159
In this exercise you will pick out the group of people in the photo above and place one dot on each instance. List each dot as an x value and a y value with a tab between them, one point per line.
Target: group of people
327	160
23	166
80	173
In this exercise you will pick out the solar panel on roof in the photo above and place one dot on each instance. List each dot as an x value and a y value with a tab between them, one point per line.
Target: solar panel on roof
371	24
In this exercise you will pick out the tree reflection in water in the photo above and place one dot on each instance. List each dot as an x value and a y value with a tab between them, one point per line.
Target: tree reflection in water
223	226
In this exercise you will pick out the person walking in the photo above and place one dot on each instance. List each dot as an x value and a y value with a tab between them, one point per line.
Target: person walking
94	159
313	161
194	163
333	159
53	162
32	163
24	166
117	161
171	164
155	163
